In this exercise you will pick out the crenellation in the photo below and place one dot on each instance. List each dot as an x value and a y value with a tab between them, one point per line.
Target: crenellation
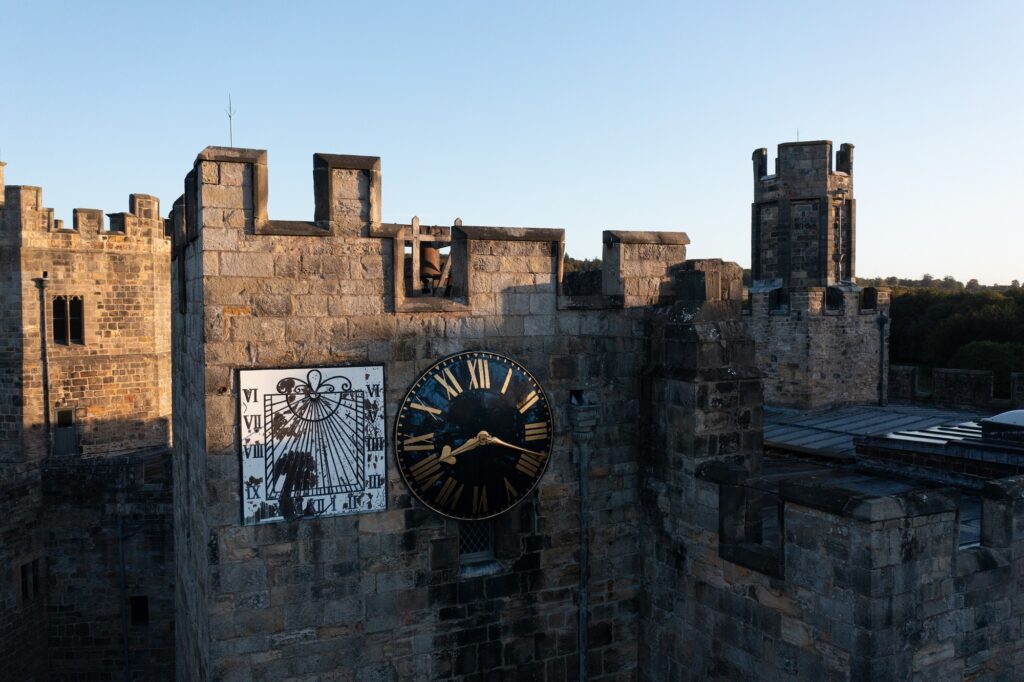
88	220
23	198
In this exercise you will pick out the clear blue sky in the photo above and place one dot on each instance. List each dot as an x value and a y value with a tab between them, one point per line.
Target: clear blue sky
586	116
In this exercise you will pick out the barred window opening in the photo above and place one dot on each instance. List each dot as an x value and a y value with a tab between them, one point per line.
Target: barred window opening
476	541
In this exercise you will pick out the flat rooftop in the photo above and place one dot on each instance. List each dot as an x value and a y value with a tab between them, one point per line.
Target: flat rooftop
829	435
830	432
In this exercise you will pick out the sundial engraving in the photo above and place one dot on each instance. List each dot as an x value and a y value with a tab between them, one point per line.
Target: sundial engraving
312	442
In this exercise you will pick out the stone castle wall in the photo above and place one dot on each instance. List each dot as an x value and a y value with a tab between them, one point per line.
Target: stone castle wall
867	583
817	331
380	593
23	602
117	381
698	564
964	388
110	567
813	356
116	385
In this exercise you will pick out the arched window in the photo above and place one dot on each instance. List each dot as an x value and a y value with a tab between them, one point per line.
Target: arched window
68	320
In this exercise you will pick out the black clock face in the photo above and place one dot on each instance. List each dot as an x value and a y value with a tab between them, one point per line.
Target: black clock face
473	435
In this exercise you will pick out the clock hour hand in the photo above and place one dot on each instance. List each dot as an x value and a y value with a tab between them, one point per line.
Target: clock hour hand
492	440
448	455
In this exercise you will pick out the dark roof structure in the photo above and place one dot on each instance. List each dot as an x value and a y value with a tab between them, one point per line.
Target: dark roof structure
831	432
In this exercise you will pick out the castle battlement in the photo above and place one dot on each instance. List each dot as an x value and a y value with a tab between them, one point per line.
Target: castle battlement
224	208
805	164
86	303
142	221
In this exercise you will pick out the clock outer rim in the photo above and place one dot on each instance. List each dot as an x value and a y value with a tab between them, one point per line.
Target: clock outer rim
401	409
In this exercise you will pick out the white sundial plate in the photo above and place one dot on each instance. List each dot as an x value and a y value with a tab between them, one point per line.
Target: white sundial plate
312	442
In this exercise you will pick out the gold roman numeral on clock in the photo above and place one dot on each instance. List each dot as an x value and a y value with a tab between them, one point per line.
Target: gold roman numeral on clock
432	411
450	493
536	431
418	443
426	471
479	500
529	401
452	385
529	464
508	378
479	373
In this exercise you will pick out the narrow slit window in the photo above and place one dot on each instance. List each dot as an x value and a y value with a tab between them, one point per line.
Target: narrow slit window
76	320
833	298
139	609
60	320
869	299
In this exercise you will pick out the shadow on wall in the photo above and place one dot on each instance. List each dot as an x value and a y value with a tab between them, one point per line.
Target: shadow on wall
90	543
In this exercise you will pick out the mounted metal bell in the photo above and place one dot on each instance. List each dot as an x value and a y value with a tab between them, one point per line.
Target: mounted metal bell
430	262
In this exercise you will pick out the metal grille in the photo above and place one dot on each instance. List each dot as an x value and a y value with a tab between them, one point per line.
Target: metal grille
476	541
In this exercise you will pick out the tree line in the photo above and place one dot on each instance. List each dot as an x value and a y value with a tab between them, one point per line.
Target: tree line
946	323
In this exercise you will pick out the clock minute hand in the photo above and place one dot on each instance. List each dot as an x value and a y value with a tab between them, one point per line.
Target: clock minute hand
491	440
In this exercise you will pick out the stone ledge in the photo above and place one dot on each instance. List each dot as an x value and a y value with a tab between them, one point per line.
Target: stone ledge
766	560
345	162
298	228
1008	489
512	234
233	155
867	498
638	237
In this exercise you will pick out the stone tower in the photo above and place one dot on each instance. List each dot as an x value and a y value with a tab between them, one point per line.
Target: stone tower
85	411
821	338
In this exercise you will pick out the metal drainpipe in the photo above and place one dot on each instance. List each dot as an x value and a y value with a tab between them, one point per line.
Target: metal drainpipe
41	283
583	419
882	320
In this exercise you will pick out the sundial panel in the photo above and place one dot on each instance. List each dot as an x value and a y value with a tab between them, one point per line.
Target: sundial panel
312	442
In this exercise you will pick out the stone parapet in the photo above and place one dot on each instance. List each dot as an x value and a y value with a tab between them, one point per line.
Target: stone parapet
962	387
639	267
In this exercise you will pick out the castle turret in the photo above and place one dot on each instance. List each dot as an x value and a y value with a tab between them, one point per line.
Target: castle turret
821	338
804	217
